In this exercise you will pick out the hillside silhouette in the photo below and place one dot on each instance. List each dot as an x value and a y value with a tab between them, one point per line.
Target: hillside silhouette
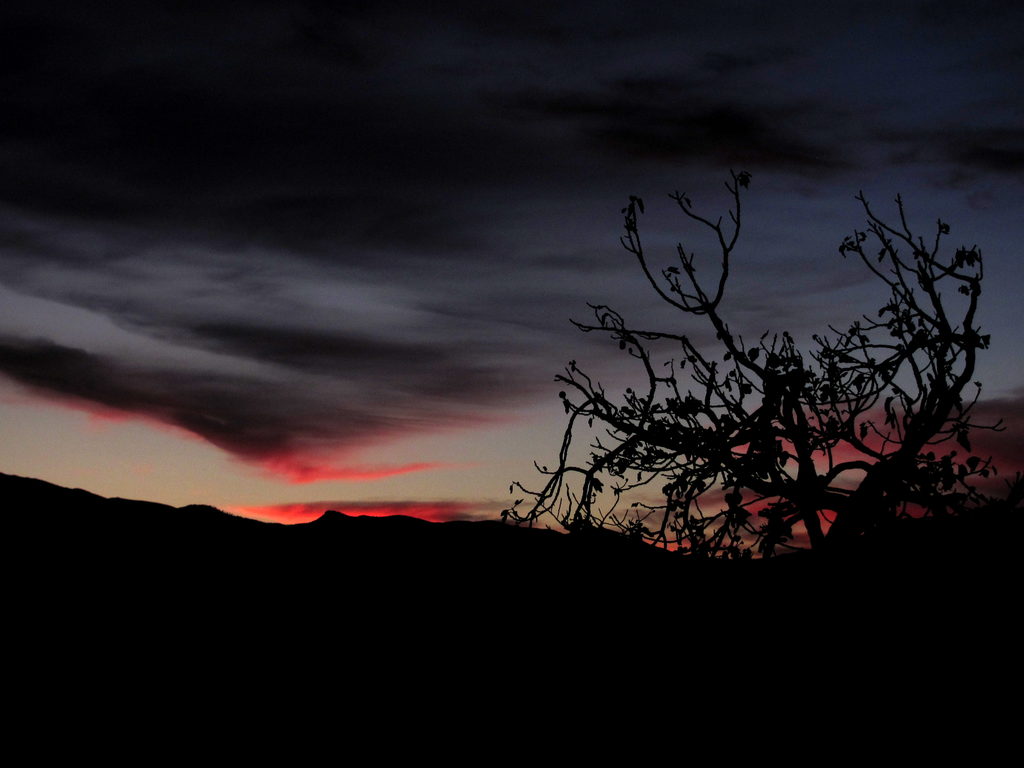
86	550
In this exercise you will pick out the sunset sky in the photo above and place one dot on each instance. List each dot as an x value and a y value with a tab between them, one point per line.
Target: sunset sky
326	254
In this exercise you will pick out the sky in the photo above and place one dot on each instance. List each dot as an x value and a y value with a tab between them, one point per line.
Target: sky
285	256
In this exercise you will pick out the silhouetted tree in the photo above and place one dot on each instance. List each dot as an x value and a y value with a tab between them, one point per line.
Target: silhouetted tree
767	441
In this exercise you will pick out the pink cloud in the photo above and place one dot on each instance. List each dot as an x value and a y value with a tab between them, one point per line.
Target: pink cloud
299	471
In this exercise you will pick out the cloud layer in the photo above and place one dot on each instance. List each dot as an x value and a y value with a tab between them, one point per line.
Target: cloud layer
356	224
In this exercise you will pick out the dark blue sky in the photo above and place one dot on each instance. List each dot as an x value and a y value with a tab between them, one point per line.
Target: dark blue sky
296	230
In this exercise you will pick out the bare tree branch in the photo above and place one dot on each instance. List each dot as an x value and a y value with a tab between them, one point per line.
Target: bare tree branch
769	445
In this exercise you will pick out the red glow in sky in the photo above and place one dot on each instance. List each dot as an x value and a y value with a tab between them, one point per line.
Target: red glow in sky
297	471
435	512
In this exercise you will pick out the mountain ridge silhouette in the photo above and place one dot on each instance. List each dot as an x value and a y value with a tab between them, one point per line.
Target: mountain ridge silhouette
91	554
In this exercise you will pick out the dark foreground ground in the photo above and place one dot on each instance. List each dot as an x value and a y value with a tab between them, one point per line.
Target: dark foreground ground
133	617
227	613
128	550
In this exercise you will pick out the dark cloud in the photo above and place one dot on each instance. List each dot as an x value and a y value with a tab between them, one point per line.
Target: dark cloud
362	223
990	13
229	178
670	120
287	424
998	151
243	416
964	153
724	63
321	128
236	124
435	369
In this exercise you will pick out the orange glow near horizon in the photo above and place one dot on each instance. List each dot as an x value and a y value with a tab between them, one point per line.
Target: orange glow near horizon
306	512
